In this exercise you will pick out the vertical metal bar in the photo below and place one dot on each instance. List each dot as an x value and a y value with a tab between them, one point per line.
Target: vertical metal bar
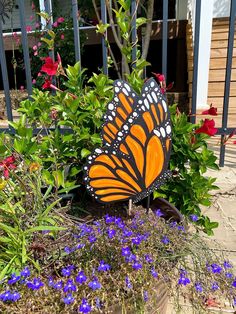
164	37
5	76
48	9
228	78
25	47
104	46
76	30
195	59
134	31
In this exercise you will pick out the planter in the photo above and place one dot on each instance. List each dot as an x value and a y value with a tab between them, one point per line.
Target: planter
169	211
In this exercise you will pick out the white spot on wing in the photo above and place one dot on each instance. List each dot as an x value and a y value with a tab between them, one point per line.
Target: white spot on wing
152	84
117	89
98	151
154	96
163	132
168	129
111	106
127	87
157	133
164	105
149	98
146	103
124	90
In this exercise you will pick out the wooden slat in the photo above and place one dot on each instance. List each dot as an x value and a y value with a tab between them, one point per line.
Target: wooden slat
215	75
214	43
216	89
215	53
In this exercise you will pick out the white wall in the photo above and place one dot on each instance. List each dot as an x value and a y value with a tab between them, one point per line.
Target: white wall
221	8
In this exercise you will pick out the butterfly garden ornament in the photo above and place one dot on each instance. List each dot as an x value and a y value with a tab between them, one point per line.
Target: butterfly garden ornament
136	134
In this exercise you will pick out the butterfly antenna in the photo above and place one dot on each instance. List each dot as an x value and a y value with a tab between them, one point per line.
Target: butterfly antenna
130	207
148	204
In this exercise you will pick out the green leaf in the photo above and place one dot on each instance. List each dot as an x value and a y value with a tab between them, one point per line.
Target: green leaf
44	228
85	152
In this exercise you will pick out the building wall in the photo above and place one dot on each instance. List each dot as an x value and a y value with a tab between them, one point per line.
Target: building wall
221	8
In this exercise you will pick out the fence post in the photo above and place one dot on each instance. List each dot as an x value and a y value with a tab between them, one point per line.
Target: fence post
164	37
195	59
76	30
134	32
104	46
25	47
228	78
5	76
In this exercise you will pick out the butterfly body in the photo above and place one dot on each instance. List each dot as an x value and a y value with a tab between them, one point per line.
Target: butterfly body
136	146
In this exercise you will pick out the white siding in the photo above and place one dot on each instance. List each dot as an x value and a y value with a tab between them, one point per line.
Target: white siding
14	21
221	8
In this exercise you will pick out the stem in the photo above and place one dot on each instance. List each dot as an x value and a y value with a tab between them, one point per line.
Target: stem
148	29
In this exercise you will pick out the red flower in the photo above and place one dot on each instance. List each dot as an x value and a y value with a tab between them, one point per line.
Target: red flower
49	67
232	133
7	164
234	142
208	128
47	83
60	20
211	111
159	77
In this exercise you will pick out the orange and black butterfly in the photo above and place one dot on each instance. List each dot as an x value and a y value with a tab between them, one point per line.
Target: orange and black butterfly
136	145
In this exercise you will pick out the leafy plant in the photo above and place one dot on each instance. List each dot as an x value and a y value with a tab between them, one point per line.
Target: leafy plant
25	212
188	188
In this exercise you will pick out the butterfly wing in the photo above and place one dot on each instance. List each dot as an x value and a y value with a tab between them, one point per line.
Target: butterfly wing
119	110
136	161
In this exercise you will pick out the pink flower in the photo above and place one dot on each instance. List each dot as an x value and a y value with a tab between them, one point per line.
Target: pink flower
234	142
55	24
37	25
160	77
14	35
28	28
35	47
39	44
39	74
60	20
33	6
31	17
22	88
34	81
62	36
208	127
35	53
7	164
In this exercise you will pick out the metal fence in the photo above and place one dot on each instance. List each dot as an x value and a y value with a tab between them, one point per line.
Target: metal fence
222	131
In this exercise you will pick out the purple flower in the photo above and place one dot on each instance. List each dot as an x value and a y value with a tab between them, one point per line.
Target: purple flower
84	306
229	275
131	258
69	286
15	296
128	283
81	278
13	279
80	246
68	299
145	296
137	265
25	272
109	219
125	251
214	286
127	233
111	233
148	258
36	284
136	241
92	238
154	273
50	282
165	240
216	269
183	279
198	287
181	228
227	265
58	285
67	250
103	266
158	213
193	217
234	283
173	224
94	284
5	296
66	272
